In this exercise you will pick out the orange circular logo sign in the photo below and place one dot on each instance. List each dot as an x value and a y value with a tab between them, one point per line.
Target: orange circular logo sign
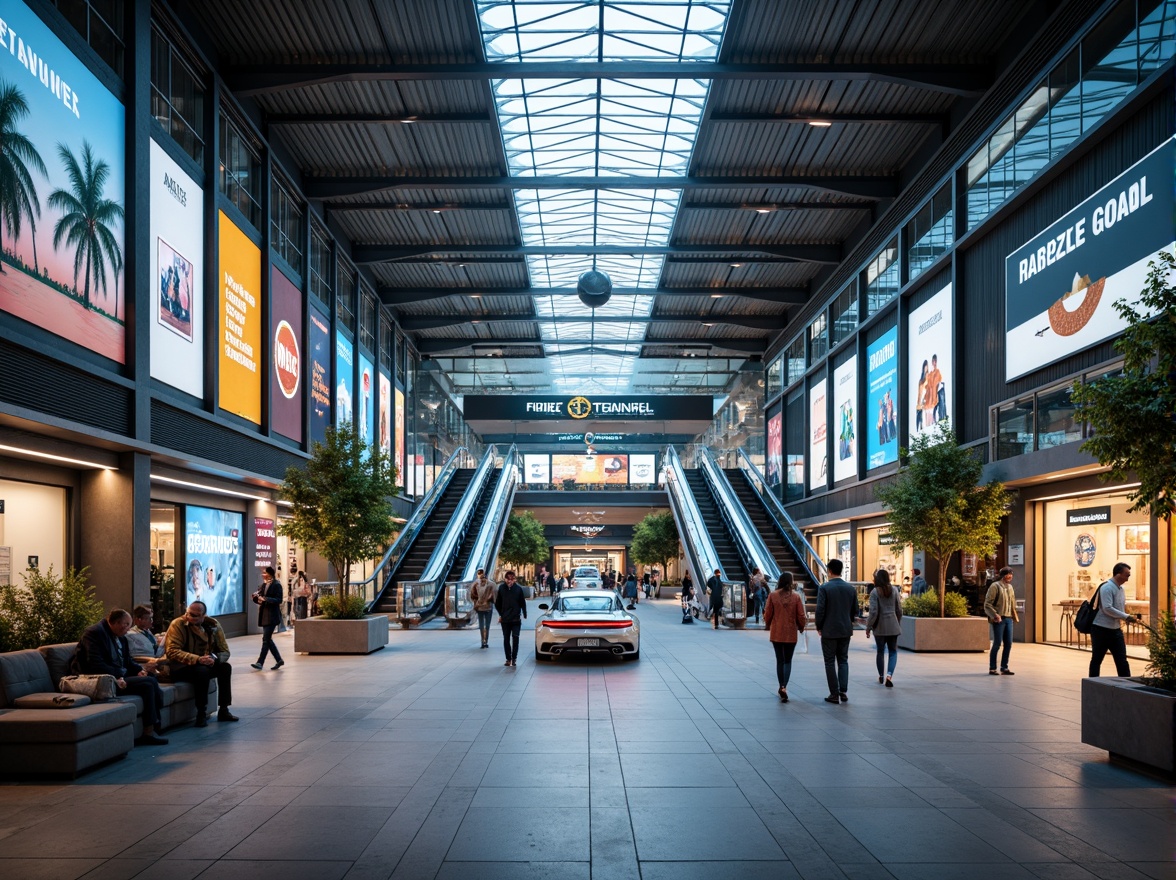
287	364
579	408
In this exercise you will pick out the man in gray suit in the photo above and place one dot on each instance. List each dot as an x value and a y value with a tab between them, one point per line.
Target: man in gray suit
837	606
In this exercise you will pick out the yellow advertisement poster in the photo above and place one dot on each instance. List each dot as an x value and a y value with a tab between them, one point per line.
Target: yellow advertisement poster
240	324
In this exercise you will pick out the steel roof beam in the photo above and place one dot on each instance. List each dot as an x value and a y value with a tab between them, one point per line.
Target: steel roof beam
433	322
773	207
393	296
440	345
866	187
806	253
273	119
965	80
394	207
816	117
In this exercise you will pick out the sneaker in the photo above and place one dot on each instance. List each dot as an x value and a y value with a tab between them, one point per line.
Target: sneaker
256	665
226	715
1007	672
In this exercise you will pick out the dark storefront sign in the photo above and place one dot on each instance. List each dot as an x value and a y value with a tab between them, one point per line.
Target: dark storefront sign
1088	516
560	407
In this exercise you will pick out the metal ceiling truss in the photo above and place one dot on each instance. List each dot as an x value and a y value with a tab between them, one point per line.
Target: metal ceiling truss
802	253
394	296
440	345
756	322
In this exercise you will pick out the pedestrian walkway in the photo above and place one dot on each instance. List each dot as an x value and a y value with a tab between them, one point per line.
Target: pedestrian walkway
430	759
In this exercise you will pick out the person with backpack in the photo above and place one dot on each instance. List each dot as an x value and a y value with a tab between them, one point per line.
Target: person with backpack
1107	634
785	618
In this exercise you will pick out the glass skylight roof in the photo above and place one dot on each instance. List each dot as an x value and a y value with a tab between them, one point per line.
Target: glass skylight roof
597	128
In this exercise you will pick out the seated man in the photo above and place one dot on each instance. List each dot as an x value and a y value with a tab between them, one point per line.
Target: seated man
146	646
197	651
104	650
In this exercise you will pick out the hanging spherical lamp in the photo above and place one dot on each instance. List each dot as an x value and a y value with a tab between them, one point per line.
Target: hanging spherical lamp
594	288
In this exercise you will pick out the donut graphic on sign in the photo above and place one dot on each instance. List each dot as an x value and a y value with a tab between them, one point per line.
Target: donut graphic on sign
286	359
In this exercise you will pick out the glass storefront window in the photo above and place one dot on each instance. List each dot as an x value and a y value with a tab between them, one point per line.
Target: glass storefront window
844	314
1057	422
876	549
1082	540
773	378
166	601
794	447
834	546
818	338
882	281
795	360
1014	429
929	232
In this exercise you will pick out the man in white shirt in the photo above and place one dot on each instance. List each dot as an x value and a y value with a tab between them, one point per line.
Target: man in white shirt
1107	633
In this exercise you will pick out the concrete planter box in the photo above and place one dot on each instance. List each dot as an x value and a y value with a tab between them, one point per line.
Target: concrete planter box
944	634
317	635
1130	720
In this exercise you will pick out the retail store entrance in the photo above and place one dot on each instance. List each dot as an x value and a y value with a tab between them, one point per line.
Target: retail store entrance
604	558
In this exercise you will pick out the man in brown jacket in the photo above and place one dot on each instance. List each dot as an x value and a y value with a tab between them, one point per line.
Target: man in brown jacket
482	595
198	653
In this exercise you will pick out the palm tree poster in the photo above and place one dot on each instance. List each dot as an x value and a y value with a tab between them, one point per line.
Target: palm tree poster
62	189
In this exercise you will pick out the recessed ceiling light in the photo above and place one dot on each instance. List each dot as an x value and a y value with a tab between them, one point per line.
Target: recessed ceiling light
736	265
764	210
436	210
716	296
819	123
475	296
66	459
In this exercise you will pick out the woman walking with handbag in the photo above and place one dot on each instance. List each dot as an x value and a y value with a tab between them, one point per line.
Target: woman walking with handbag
883	621
785	619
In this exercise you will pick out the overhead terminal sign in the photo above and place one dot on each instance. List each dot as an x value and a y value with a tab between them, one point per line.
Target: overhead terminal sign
577	407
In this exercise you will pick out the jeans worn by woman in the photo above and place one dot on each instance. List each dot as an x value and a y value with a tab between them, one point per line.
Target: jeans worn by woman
887	643
1002	633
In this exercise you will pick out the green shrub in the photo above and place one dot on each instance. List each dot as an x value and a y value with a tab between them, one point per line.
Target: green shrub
1161	643
927	605
48	609
348	608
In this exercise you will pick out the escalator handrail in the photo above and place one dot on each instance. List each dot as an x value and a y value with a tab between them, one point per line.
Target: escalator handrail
808	557
450	541
752	548
700	550
484	553
412	528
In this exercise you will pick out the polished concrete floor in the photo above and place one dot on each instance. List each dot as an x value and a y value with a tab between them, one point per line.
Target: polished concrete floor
429	759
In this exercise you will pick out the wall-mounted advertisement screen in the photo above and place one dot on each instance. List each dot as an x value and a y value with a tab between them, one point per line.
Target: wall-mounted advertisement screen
63	190
240	304
286	399
345	379
398	400
930	362
385	429
367	401
177	270
818	431
1061	285
845	444
590	469
774	463
537	468
642	469
320	375
212	539
882	400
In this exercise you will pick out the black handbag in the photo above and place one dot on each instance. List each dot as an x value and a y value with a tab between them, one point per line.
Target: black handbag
1084	619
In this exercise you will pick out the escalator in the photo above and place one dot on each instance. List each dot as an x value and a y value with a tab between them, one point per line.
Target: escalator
765	525
472	531
720	535
414	561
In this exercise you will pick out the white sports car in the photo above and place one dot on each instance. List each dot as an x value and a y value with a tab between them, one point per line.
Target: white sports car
587	622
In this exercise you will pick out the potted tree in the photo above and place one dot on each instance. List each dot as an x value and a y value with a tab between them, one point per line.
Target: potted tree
339	509
523	541
655	540
937	503
1133	416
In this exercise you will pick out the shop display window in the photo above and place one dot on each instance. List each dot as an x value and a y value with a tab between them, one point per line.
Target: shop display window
1057	419
1014	429
32	529
1083	538
876	549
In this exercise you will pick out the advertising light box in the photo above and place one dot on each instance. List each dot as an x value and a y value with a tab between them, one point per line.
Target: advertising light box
845	420
63	236
240	343
344	371
590	469
398	398
642	469
537	468
286	399
818	433
367	401
775	457
385	431
930	362
177	267
212	539
882	400
320	375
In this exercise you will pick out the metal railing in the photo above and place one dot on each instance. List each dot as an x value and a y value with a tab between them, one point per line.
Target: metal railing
372	586
751	546
789	530
701	557
485	551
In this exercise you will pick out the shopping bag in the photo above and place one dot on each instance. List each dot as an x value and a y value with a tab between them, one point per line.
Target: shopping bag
802	643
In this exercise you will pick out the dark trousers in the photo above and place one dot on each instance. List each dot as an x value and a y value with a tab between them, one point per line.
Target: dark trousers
836	650
510	638
887	643
267	644
300	603
784	651
1103	639
716	614
200	676
146	688
1002	634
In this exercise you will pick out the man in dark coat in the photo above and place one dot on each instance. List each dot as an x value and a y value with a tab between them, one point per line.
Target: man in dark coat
837	606
511	603
714	586
269	614
104	650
